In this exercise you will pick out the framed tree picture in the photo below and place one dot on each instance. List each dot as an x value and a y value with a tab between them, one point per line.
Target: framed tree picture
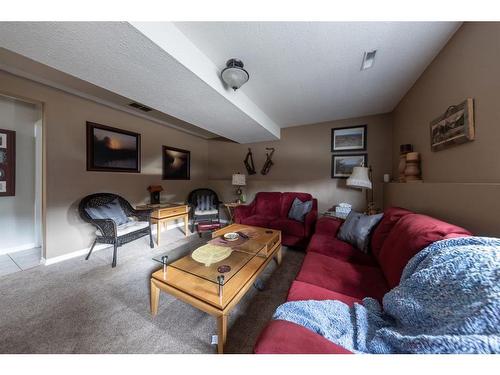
352	138
176	163
342	165
7	163
112	150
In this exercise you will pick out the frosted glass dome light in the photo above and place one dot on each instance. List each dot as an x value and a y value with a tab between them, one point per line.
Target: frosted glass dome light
234	75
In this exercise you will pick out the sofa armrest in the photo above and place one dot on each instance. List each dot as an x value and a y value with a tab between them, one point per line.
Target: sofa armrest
241	212
283	337
328	226
310	219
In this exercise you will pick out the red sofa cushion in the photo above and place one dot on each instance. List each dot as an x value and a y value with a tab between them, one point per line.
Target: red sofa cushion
289	226
257	221
283	337
333	247
409	235
301	291
328	226
287	200
268	204
390	218
354	280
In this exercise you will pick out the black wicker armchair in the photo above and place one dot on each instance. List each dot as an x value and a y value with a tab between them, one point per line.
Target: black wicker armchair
204	206
107	230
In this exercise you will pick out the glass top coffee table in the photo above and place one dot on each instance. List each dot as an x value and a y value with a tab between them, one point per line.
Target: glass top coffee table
215	276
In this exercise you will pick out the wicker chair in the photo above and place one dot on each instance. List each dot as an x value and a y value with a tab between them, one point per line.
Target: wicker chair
203	214
107	230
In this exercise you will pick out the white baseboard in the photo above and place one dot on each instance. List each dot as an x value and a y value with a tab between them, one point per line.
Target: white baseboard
14	249
98	247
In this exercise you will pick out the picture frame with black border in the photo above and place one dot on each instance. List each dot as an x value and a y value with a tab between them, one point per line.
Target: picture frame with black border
176	163
111	149
344	170
349	138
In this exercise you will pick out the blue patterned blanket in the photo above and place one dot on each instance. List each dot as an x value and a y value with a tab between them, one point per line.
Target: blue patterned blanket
448	301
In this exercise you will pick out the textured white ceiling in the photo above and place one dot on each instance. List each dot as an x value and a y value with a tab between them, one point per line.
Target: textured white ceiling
300	73
308	72
119	58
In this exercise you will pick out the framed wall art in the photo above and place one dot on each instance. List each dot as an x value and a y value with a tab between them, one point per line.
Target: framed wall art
7	163
342	165
353	138
454	127
112	150
176	163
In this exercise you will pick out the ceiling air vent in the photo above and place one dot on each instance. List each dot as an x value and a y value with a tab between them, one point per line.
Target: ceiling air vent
140	106
368	59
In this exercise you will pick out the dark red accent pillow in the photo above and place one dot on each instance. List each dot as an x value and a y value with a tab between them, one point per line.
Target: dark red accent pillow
391	217
412	233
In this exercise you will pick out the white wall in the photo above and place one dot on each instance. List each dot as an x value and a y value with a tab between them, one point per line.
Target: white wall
17	214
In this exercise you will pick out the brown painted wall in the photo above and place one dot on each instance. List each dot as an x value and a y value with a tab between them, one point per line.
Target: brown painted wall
466	67
302	162
67	180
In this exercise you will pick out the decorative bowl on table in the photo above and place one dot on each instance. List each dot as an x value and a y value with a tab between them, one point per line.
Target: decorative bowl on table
231	236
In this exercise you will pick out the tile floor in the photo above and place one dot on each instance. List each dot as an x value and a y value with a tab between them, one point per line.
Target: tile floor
19	261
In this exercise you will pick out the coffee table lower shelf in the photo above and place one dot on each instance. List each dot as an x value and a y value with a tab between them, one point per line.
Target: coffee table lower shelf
190	289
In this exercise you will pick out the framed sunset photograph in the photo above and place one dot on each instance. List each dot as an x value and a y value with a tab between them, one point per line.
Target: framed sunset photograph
176	163
112	150
342	165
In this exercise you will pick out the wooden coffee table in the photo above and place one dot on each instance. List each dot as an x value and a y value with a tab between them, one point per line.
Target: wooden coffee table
203	287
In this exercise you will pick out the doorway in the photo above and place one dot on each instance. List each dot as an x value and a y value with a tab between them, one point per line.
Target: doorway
21	234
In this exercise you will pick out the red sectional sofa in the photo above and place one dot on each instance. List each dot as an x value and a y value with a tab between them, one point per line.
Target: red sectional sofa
334	270
270	210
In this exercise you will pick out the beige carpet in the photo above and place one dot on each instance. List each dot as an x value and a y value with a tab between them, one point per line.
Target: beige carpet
82	306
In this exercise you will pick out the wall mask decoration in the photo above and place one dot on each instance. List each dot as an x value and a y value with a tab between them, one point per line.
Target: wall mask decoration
176	163
249	165
454	127
269	163
112	150
351	138
7	163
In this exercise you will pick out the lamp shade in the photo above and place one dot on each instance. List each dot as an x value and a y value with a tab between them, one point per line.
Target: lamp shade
359	178
239	179
234	75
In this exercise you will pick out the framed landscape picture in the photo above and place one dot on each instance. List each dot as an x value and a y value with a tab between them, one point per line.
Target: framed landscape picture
7	163
342	165
351	138
112	150
176	163
454	127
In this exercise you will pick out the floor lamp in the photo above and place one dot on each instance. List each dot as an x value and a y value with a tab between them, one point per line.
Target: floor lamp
361	178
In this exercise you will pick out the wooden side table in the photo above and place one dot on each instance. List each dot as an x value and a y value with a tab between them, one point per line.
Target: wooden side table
164	212
230	209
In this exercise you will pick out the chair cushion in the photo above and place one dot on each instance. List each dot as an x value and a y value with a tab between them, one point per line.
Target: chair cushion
410	234
354	280
357	229
257	221
380	233
335	248
206	212
112	210
288	226
299	209
268	204
128	227
300	291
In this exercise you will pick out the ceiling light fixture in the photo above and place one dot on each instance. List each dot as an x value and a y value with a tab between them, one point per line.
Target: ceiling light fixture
368	59
234	75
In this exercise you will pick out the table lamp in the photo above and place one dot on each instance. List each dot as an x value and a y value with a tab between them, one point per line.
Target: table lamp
361	178
239	180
